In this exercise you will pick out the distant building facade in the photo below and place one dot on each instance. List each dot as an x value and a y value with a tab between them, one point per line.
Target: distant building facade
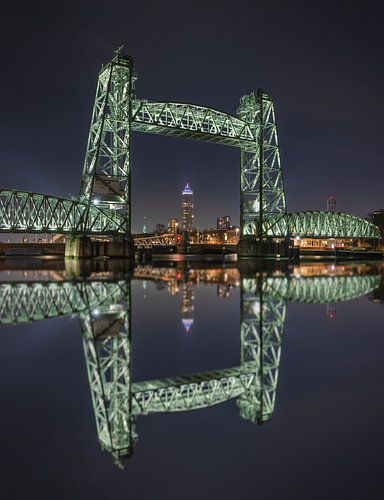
220	236
187	206
377	217
223	222
173	225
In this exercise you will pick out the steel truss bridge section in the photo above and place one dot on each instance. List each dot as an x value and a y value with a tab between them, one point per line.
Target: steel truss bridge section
323	224
156	240
191	121
25	212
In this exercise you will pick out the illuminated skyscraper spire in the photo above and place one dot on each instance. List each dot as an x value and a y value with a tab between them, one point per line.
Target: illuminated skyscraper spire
187	208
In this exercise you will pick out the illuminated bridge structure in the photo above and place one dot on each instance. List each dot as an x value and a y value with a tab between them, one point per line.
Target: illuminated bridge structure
103	206
104	310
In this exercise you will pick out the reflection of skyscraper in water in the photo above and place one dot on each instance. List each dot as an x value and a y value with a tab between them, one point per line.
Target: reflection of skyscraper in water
332	310
187	208
224	291
187	305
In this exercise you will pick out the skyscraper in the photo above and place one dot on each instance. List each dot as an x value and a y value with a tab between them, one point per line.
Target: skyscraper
187	209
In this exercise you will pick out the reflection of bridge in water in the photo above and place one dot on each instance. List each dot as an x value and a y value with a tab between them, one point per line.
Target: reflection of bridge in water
104	310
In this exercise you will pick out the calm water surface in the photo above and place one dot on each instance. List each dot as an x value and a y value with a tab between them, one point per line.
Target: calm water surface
192	382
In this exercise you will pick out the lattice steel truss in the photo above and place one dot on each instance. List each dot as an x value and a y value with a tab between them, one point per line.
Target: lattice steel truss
192	122
24	212
104	311
162	239
314	289
22	302
322	224
107	170
262	196
261	331
104	204
106	339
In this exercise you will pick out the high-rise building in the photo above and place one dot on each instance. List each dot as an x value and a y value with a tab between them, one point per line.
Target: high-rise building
332	203
187	209
173	225
224	222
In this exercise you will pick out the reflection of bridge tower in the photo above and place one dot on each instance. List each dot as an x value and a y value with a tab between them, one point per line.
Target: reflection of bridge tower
187	305
262	327
106	337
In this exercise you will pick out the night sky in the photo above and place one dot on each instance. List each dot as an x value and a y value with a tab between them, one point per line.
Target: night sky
321	61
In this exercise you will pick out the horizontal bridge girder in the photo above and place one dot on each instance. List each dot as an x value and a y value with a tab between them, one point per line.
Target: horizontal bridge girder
324	224
191	121
25	212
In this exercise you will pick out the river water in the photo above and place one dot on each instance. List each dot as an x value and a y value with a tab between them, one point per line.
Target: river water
192	381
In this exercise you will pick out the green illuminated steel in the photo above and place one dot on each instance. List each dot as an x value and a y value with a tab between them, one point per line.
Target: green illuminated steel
262	196
261	331
191	121
104	203
322	224
106	340
107	170
38	300
22	302
21	211
104	311
314	289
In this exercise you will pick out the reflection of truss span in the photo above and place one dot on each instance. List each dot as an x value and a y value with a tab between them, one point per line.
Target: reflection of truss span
32	301
22	302
191	121
106	338
316	289
263	207
262	327
21	211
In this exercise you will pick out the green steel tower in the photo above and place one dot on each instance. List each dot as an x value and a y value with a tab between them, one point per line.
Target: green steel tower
106	180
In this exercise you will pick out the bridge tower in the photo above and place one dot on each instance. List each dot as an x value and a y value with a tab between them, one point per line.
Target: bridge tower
263	212
106	179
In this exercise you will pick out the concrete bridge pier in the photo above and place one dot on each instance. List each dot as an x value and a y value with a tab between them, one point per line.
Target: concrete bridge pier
252	247
83	247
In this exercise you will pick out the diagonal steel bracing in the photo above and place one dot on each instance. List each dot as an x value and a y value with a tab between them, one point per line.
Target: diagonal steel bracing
104	202
262	196
24	212
104	309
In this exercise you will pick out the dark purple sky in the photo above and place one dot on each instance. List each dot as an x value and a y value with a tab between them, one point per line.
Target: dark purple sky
322	63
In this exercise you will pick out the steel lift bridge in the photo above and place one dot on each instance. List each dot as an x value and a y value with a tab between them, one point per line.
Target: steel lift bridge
103	206
104	310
